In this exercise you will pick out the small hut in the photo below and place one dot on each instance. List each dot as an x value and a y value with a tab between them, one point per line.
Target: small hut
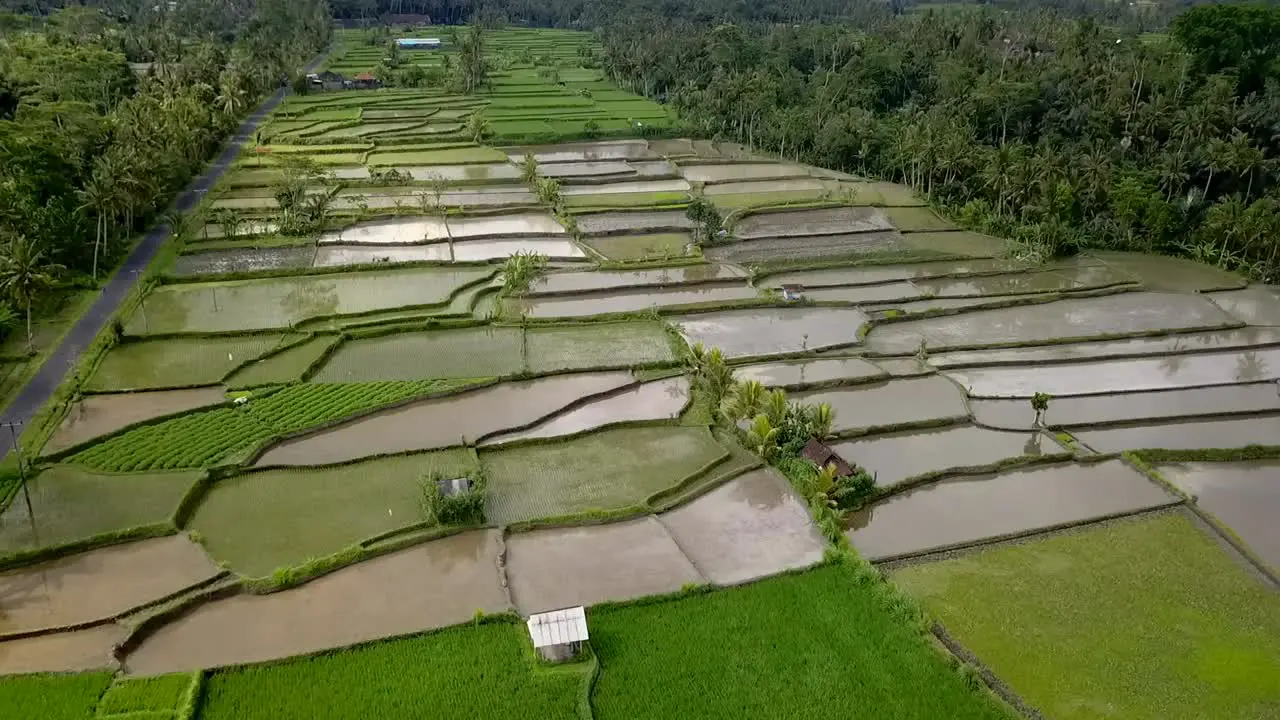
558	635
453	486
822	456
365	81
792	292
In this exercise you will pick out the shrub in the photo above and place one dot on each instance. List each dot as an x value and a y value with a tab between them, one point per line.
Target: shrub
461	508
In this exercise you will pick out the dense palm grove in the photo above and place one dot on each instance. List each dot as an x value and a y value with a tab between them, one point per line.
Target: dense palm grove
1058	133
92	148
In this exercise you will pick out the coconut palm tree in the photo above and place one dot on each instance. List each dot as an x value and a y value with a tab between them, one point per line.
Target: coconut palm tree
24	275
763	437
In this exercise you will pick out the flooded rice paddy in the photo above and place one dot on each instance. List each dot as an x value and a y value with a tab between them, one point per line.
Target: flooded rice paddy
969	509
1184	434
815	248
237	260
752	526
563	567
1245	496
1128	313
626	301
1255	305
807	372
584	169
826	221
440	583
1170	274
582	152
75	651
95	415
773	331
634	186
877	274
1109	376
895	457
409	231
894	402
263	304
443	422
651	401
1089	410
586	281
1249	337
459	251
632	221
740	171
99	584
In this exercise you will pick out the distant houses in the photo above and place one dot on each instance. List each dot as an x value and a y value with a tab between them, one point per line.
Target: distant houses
329	80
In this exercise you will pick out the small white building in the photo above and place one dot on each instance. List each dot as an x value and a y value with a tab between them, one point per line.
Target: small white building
418	43
558	635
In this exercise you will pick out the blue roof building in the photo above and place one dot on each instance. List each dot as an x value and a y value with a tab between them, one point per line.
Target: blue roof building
418	43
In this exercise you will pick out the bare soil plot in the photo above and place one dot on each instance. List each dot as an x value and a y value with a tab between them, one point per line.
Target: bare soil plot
1184	435
1257	305
99	584
435	423
898	456
75	651
805	372
95	415
772	331
70	503
1170	344
177	362
626	301
1090	410
235	260
443	582
270	303
562	567
1170	274
824	221
636	221
657	400
1245	496
604	470
964	510
587	281
1109	376
893	402
260	521
811	248
749	528
1128	313
245	228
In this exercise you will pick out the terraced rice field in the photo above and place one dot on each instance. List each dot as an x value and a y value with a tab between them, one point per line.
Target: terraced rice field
250	472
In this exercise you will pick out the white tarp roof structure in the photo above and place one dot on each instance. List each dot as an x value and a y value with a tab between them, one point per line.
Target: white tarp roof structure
558	627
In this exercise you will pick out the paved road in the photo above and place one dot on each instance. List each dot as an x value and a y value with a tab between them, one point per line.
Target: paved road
64	357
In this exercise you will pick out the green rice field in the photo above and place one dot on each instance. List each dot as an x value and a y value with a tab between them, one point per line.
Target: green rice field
1147	618
52	697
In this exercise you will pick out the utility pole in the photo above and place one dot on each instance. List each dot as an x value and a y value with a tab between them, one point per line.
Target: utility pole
22	471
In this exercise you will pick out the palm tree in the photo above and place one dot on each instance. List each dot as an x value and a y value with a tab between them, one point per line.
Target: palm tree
763	437
98	197
24	275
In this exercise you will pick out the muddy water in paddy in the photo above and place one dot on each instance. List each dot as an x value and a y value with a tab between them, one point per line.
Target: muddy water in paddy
74	651
892	402
786	374
898	456
1157	373
614	222
585	169
1126	313
1243	495
474	173
870	275
1188	342
95	415
440	583
99	584
935	304
763	186
563	567
567	282
1128	407
864	294
751	527
657	400
636	186
626	301
465	251
243	260
524	224
827	221
582	152
1258	305
813	247
968	509
1158	272
442	422
388	232
772	331
740	171
956	242
1184	435
1037	282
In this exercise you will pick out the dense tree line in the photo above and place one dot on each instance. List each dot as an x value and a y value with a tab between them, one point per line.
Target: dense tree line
1058	133
92	149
